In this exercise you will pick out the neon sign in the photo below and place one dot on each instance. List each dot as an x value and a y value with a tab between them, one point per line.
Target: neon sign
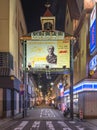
93	45
93	63
83	86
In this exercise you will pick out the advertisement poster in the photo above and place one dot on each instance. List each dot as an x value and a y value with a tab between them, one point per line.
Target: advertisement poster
93	39
55	54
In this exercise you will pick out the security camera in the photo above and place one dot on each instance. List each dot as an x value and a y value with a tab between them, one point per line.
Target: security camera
29	66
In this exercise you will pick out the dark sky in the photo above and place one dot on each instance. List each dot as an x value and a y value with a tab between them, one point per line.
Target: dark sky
33	9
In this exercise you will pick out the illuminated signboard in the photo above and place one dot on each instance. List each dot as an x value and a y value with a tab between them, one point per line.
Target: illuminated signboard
93	39
88	4
47	35
81	87
93	63
37	54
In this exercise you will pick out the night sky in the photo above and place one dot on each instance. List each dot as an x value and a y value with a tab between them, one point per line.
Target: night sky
34	9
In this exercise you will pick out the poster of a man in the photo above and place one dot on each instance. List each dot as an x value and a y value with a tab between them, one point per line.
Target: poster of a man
51	57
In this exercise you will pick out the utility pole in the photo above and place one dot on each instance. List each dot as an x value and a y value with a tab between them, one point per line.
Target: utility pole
71	78
24	78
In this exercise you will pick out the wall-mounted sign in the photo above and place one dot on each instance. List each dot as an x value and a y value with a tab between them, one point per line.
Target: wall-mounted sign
93	63
83	86
22	89
93	31
88	4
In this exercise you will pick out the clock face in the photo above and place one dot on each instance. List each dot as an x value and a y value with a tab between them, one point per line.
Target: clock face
48	26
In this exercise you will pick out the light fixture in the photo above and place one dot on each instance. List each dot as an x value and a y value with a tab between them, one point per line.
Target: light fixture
64	67
40	86
52	83
48	74
12	77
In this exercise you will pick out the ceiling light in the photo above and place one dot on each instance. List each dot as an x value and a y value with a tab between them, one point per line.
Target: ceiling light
40	86
52	83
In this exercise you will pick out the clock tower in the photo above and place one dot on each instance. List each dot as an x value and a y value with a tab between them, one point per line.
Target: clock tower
48	20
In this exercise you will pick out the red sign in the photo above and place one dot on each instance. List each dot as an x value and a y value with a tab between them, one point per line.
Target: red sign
22	88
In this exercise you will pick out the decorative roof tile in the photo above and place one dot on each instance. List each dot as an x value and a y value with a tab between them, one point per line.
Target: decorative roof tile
47	13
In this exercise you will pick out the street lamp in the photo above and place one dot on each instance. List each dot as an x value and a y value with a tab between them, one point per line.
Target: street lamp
72	42
24	81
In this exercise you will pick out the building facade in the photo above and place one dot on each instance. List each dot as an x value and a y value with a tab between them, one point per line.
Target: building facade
12	27
85	78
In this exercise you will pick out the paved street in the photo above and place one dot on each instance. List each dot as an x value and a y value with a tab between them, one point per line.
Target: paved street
45	119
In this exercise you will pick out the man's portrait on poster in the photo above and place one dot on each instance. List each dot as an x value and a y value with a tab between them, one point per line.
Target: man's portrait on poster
51	57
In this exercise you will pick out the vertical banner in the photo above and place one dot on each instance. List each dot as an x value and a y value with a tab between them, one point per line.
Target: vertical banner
93	31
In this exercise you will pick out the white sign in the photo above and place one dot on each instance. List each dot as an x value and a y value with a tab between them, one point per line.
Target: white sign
93	63
93	16
50	35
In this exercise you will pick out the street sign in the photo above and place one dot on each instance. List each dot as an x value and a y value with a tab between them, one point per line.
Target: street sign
21	89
